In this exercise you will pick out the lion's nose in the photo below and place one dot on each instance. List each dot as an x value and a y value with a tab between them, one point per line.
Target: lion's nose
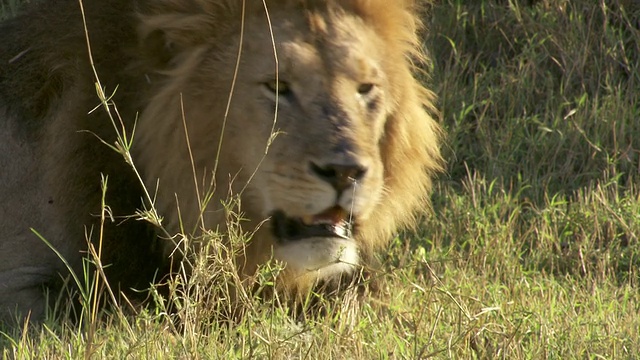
340	176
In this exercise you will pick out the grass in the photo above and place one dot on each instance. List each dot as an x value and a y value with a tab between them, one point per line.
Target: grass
532	251
9	8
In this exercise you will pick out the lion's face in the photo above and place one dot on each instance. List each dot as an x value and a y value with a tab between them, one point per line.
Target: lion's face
319	118
310	105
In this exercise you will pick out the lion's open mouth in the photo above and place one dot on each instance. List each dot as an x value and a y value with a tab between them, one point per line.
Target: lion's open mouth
333	222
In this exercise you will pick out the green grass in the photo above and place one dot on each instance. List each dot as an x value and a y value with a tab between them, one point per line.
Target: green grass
9	8
532	251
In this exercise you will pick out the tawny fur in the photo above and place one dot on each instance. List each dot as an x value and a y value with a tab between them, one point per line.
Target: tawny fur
174	64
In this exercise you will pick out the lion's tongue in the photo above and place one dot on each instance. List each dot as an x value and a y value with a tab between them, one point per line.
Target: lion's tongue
333	215
333	220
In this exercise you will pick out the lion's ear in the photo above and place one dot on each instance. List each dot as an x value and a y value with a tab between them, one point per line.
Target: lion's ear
169	27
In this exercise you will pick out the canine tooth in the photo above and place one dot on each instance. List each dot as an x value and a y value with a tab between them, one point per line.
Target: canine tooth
342	230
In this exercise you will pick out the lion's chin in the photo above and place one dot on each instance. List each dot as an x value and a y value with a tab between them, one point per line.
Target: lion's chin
320	257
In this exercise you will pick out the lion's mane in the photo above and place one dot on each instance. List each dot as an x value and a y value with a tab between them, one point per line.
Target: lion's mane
153	51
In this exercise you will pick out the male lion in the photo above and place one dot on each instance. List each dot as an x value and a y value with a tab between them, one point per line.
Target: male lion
307	109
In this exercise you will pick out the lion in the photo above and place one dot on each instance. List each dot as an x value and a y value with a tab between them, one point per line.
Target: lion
309	111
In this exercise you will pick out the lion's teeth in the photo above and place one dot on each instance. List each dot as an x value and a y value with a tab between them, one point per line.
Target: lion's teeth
342	230
311	220
335	224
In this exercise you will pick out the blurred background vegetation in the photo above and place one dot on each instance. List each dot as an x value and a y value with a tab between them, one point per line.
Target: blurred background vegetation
541	93
540	103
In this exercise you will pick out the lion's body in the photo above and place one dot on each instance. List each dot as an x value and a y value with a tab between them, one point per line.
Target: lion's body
354	135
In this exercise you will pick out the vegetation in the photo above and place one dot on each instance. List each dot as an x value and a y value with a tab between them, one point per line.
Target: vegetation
532	248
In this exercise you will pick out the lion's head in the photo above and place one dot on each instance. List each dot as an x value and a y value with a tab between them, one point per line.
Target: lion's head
309	110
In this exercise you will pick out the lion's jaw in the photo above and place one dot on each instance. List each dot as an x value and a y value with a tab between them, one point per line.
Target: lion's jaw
314	227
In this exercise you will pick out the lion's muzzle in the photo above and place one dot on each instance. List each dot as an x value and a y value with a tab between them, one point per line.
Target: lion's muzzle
322	243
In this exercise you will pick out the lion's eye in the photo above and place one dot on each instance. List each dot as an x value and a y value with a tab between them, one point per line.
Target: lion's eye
278	87
365	88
